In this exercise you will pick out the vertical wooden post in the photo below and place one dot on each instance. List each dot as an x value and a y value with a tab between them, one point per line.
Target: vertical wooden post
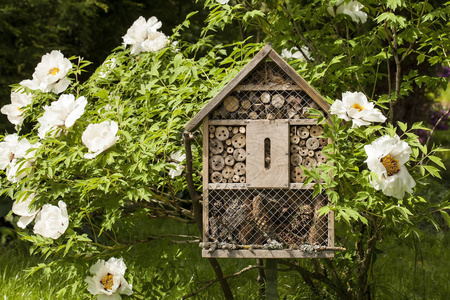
272	279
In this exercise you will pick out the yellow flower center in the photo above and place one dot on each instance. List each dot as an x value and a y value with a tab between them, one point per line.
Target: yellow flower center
19	109
357	107
53	71
391	165
11	156
107	281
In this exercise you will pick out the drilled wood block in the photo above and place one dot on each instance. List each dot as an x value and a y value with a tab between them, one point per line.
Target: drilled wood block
240	169
239	154
294	148
217	163
297	175
229	160
296	159
295	139
312	143
222	133
228	172
238	141
215	146
309	162
216	177
316	131
303	132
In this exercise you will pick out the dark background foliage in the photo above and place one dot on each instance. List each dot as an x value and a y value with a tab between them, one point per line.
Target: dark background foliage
86	28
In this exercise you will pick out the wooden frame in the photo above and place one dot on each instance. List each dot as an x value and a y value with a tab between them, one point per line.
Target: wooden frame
260	130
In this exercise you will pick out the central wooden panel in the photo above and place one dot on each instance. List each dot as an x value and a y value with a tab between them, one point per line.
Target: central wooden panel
268	154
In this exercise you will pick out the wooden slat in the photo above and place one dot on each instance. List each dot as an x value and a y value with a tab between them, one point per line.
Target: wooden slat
197	119
299	80
301	186
229	186
267	87
267	254
241	186
302	121
276	174
331	229
245	122
205	157
228	122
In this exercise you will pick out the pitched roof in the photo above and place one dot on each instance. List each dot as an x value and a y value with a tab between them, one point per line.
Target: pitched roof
266	52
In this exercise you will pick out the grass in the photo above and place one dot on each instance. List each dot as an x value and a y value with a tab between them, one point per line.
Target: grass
406	269
413	269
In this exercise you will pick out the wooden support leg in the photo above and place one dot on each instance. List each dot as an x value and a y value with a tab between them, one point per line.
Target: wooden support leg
272	279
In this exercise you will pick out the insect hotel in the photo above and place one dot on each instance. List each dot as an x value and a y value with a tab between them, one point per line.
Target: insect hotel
256	134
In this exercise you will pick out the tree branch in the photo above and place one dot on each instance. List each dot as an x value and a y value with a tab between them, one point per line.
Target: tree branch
197	209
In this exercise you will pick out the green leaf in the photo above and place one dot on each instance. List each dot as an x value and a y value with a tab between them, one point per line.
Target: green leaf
403	126
446	217
437	160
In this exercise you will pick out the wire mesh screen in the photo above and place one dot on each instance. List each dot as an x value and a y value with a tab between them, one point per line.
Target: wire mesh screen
266	219
266	93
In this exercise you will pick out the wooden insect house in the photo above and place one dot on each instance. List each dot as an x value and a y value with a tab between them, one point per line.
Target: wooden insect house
256	134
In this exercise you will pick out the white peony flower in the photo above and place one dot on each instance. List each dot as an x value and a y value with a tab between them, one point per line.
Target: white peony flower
49	75
155	42
14	111
108	280
296	54
386	157
356	107
144	37
106	67
177	167
352	9
99	137
52	221
223	1
61	114
25	210
16	157
8	150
